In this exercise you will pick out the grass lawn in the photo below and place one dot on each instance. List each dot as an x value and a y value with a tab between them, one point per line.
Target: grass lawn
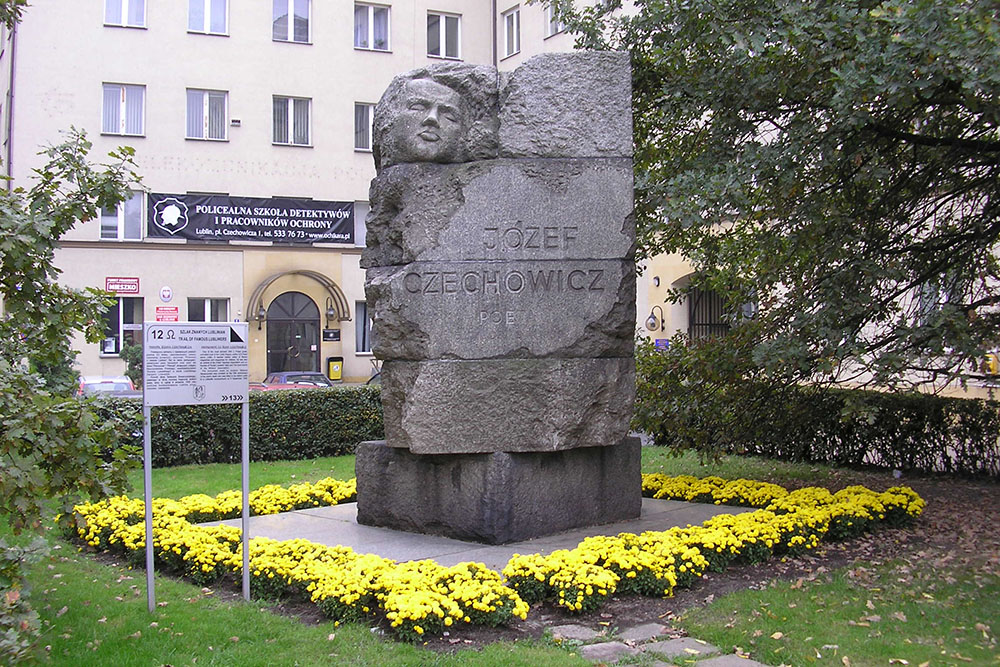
214	478
920	610
907	610
95	613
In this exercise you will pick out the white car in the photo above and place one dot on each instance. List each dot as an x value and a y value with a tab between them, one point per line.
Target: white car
107	386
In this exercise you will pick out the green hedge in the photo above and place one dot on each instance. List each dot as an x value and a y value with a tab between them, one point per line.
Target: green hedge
293	424
896	431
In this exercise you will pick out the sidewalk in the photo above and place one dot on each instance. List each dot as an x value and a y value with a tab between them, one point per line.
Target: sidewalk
338	525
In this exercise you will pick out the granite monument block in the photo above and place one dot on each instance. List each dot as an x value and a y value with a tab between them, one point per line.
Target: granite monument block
500	271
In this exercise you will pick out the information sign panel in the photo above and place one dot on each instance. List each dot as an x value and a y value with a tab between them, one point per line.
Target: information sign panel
194	363
190	363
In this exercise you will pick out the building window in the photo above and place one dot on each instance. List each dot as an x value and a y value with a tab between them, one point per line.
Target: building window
208	16
294	30
123	109
511	31
208	310
291	120
207	116
361	209
443	37
553	26
124	222
934	294
362	328
122	324
363	116
125	13
371	27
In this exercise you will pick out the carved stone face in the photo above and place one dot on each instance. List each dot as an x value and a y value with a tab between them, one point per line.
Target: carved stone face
431	125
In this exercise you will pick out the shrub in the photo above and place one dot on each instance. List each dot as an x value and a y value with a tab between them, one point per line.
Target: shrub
684	404
19	626
901	431
284	425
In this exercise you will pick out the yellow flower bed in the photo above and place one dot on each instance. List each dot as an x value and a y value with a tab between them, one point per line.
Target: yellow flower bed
419	598
654	562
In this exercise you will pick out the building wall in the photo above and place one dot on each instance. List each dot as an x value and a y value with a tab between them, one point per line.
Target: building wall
64	55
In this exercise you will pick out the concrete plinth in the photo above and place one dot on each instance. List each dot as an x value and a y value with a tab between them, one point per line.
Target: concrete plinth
499	497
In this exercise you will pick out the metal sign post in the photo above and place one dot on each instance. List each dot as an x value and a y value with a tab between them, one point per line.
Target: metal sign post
194	363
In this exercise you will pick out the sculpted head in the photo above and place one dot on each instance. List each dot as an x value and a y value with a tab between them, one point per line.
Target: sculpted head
431	125
442	113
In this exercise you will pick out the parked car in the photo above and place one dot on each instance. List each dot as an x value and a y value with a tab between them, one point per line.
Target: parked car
107	386
292	380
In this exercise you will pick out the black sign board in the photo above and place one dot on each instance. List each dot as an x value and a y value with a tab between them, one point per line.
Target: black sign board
331	335
223	218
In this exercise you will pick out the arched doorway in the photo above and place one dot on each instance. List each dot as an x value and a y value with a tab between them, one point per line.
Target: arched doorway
292	334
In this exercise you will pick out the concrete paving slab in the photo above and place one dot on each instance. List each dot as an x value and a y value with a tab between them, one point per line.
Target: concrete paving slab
338	525
573	631
607	652
641	633
731	660
682	647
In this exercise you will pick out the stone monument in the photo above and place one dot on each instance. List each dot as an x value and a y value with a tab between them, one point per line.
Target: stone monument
500	270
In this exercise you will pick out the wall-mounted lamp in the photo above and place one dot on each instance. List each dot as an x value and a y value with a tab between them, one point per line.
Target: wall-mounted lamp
656	281
652	323
330	311
261	316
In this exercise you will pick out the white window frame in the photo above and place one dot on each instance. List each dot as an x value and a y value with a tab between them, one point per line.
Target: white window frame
125	10
206	96
553	26
370	110
362	328
361	211
123	89
511	21
111	344
443	35
208	306
290	115
206	27
370	37
121	219
289	6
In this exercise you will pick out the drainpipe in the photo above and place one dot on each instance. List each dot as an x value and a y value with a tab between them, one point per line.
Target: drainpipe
493	20
10	110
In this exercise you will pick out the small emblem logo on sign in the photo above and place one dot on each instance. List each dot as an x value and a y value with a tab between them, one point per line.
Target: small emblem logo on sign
170	215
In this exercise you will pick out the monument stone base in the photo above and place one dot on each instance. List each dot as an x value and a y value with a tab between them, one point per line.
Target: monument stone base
498	497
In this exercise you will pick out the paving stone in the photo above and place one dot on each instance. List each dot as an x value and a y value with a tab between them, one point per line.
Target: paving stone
573	631
606	651
678	648
731	660
641	633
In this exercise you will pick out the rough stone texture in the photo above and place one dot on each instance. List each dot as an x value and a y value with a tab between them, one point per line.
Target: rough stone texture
641	633
501	210
477	85
500	271
680	648
567	105
501	497
573	631
509	405
606	652
490	310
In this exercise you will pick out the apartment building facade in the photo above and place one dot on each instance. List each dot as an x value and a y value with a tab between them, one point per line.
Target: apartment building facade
251	124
